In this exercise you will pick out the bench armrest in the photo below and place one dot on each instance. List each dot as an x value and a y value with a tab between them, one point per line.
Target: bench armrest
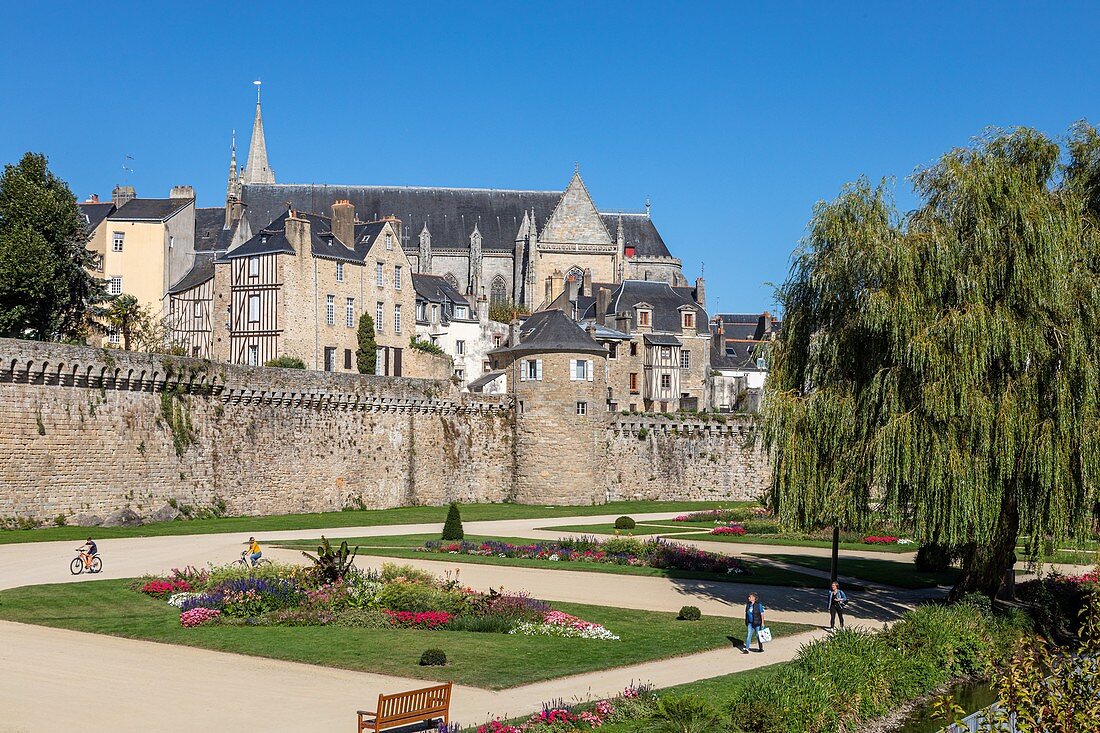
365	712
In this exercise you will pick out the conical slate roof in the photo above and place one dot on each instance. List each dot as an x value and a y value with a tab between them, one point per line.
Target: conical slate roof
552	331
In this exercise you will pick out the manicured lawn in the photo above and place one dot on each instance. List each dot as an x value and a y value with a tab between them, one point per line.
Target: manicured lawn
484	660
404	547
897	573
646	528
364	518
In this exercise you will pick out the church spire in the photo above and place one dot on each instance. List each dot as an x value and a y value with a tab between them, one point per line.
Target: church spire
257	169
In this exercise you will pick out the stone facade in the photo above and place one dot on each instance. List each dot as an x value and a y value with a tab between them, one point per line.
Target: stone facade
87	430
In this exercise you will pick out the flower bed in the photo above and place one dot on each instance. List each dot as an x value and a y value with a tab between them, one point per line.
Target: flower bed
557	716
735	530
395	597
654	553
880	540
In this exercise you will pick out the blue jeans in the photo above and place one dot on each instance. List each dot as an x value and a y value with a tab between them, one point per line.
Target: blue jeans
748	635
254	557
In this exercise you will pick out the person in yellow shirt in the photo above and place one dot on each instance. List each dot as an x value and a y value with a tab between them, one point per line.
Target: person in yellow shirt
253	552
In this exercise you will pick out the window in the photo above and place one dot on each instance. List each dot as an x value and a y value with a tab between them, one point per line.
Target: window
459	373
116	241
612	349
634	382
253	355
582	408
349	313
688	319
460	347
420	311
339	272
530	370
685	359
389	241
498	291
195	351
460	311
633	349
197	309
486	366
114	287
397	277
330	309
521	407
253	266
666	381
397	318
171	241
378	317
643	318
99	263
254	308
330	358
379	274
666	352
580	370
347	358
114	336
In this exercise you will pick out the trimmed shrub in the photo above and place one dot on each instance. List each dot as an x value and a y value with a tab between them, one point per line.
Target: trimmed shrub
625	523
433	658
760	526
286	362
452	529
934	558
689	613
417	598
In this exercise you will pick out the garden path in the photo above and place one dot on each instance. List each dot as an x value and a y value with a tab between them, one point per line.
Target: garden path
142	686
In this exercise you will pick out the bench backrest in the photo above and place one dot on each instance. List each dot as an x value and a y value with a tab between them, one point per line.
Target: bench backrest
414	706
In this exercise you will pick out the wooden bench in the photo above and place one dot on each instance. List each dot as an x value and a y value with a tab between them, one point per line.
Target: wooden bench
415	710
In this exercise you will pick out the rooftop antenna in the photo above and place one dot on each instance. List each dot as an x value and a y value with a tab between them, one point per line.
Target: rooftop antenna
647	206
127	170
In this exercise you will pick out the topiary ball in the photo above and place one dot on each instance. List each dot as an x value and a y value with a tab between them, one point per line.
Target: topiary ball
625	523
689	613
433	658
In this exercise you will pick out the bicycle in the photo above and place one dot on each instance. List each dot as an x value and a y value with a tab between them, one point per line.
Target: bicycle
244	561
76	567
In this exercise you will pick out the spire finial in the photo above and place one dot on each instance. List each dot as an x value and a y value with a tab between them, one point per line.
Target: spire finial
257	83
577	167
647	206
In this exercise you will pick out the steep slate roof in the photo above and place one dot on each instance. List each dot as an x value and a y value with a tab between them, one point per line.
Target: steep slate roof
450	213
209	223
94	213
739	344
149	209
552	330
638	232
662	339
202	269
484	379
665	299
436	289
323	243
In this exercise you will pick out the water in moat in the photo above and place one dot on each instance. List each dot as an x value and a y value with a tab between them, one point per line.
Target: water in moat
970	696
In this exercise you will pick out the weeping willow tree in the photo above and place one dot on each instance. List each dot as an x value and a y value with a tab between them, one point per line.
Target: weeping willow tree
942	368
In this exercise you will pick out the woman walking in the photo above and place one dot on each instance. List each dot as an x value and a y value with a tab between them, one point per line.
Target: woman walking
837	601
754	621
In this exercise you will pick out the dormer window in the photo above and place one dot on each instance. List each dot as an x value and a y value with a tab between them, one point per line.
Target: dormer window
644	318
688	319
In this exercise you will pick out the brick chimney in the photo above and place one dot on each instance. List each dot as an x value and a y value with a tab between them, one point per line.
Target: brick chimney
298	233
700	292
603	300
182	192
557	285
343	222
121	194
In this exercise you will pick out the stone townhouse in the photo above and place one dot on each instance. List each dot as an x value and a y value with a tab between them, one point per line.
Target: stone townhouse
656	335
738	359
297	288
556	370
449	320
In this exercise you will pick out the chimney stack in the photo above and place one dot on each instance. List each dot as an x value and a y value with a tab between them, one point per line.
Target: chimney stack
622	322
182	192
298	233
93	199
343	222
482	308
603	301
587	280
121	194
557	285
700	292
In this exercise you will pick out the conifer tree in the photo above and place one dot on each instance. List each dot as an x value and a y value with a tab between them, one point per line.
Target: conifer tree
366	354
452	529
943	366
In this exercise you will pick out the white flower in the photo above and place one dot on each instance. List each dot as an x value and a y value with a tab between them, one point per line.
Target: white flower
177	599
553	558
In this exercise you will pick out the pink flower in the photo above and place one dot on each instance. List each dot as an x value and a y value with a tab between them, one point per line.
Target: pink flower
877	540
733	529
198	616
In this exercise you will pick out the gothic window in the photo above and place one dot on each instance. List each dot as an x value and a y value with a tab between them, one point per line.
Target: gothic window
498	291
574	273
449	277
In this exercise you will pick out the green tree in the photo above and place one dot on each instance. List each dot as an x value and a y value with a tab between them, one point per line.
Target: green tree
504	312
366	354
944	365
286	362
45	279
124	314
452	528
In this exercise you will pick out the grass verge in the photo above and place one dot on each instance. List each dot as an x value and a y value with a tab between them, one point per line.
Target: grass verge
403	547
484	660
897	573
356	518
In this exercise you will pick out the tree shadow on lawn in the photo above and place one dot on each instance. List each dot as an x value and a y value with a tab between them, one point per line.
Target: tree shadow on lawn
876	605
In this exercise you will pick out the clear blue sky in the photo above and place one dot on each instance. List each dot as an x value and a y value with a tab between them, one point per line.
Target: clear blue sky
734	117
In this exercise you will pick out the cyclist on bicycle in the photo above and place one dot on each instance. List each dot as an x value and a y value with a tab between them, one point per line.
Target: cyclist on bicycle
87	551
253	552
